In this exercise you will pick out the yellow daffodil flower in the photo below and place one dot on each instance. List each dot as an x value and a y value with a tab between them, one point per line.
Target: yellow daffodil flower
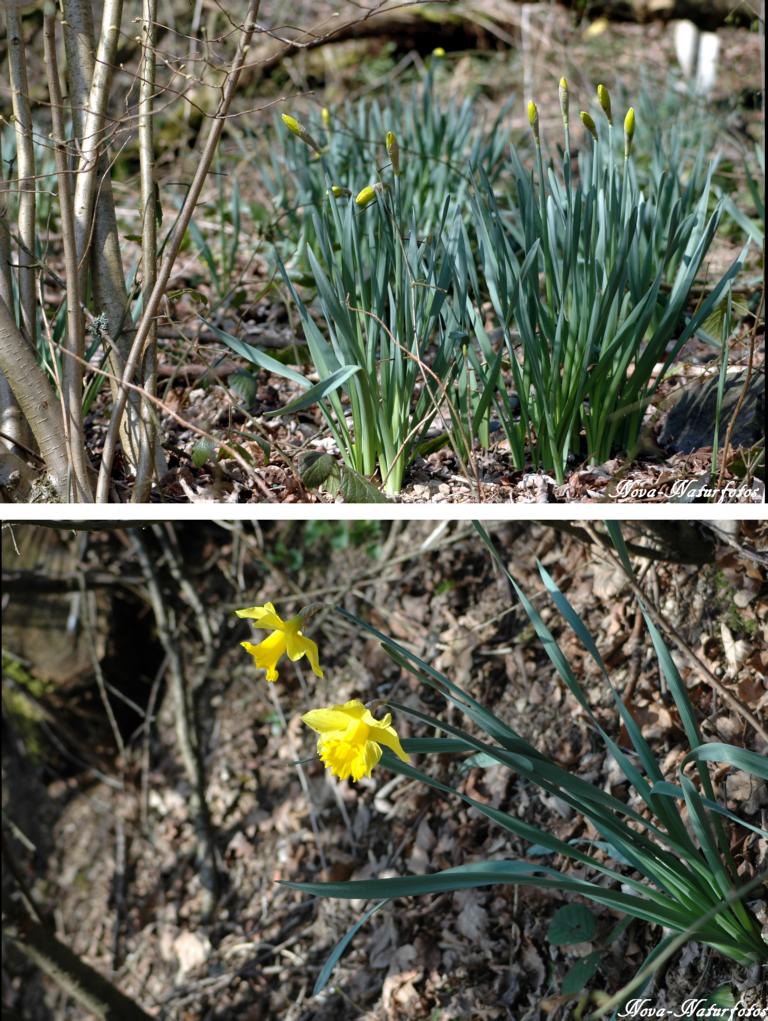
351	738
286	637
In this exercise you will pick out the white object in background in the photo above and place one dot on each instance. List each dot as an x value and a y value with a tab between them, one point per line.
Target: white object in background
706	68
697	53
686	46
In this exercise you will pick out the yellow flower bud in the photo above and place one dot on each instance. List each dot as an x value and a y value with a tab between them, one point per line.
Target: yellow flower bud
366	196
605	102
325	113
629	132
588	123
438	52
300	131
393	151
338	192
533	120
563	93
292	124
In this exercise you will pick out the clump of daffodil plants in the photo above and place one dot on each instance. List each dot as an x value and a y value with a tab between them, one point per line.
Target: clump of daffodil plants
549	300
662	852
590	283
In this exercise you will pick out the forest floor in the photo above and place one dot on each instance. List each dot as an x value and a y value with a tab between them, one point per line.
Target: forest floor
106	841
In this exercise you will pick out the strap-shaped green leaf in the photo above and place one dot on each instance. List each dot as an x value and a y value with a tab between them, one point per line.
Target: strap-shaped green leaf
317	391
258	357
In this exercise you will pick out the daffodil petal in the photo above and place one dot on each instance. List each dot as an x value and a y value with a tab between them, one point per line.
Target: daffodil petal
327	721
299	645
353	708
372	754
371	720
263	616
388	737
267	653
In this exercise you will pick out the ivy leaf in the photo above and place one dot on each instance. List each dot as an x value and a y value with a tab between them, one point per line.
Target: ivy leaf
572	923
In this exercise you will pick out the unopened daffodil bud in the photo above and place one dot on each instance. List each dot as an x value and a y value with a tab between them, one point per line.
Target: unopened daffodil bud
393	151
325	114
605	102
629	132
338	192
563	93
366	196
438	52
588	123
300	131
533	120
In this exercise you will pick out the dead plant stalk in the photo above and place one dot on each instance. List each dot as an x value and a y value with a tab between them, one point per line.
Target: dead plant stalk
146	463
72	368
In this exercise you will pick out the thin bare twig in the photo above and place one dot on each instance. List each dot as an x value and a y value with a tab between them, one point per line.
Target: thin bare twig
742	395
152	307
17	62
90	632
187	733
